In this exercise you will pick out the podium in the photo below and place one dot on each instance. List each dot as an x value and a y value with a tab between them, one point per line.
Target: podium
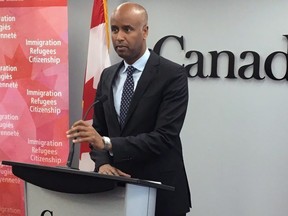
55	191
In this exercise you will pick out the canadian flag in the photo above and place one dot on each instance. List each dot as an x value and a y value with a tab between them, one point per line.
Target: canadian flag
97	60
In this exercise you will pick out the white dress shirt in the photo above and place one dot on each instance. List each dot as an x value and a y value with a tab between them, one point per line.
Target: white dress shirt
121	77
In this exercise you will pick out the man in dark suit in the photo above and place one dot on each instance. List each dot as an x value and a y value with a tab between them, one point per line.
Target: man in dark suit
145	143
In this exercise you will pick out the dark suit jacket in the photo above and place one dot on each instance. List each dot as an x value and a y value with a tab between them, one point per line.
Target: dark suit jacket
148	146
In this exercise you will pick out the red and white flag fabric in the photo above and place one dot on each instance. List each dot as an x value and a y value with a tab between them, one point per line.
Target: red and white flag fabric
98	59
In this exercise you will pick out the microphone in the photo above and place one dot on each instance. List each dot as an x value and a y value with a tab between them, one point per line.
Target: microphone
72	149
101	99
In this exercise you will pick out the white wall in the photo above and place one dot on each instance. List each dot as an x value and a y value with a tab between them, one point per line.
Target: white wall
234	137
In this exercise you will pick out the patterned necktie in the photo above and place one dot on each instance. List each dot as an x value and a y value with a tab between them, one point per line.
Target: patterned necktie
128	90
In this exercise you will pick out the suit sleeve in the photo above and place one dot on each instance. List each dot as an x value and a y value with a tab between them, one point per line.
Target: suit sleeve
100	157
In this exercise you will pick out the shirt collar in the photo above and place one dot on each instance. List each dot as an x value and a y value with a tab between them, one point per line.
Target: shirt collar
140	63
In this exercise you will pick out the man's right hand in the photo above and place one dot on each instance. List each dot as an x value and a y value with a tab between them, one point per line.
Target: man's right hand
107	169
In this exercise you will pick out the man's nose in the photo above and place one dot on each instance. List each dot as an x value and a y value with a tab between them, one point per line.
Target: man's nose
120	36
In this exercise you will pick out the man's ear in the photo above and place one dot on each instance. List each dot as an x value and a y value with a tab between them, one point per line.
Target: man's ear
145	31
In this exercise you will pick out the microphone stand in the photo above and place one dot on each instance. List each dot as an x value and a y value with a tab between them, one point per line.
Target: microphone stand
72	147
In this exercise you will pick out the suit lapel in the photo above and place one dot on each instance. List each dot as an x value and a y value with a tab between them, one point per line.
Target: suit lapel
148	74
113	112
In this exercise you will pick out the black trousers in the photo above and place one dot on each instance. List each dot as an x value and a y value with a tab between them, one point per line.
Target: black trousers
174	215
177	215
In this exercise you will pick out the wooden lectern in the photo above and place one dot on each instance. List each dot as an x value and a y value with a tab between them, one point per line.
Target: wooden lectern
61	191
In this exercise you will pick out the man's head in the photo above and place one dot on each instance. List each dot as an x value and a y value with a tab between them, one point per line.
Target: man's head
129	30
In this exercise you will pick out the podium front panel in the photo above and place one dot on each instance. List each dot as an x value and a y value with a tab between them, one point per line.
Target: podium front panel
140	200
61	191
43	202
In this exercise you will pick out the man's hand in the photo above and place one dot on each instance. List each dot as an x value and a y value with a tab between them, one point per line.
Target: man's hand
81	131
110	170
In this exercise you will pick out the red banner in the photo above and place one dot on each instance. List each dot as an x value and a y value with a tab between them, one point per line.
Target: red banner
34	103
32	3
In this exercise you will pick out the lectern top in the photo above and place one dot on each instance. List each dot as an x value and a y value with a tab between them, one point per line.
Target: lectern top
68	180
